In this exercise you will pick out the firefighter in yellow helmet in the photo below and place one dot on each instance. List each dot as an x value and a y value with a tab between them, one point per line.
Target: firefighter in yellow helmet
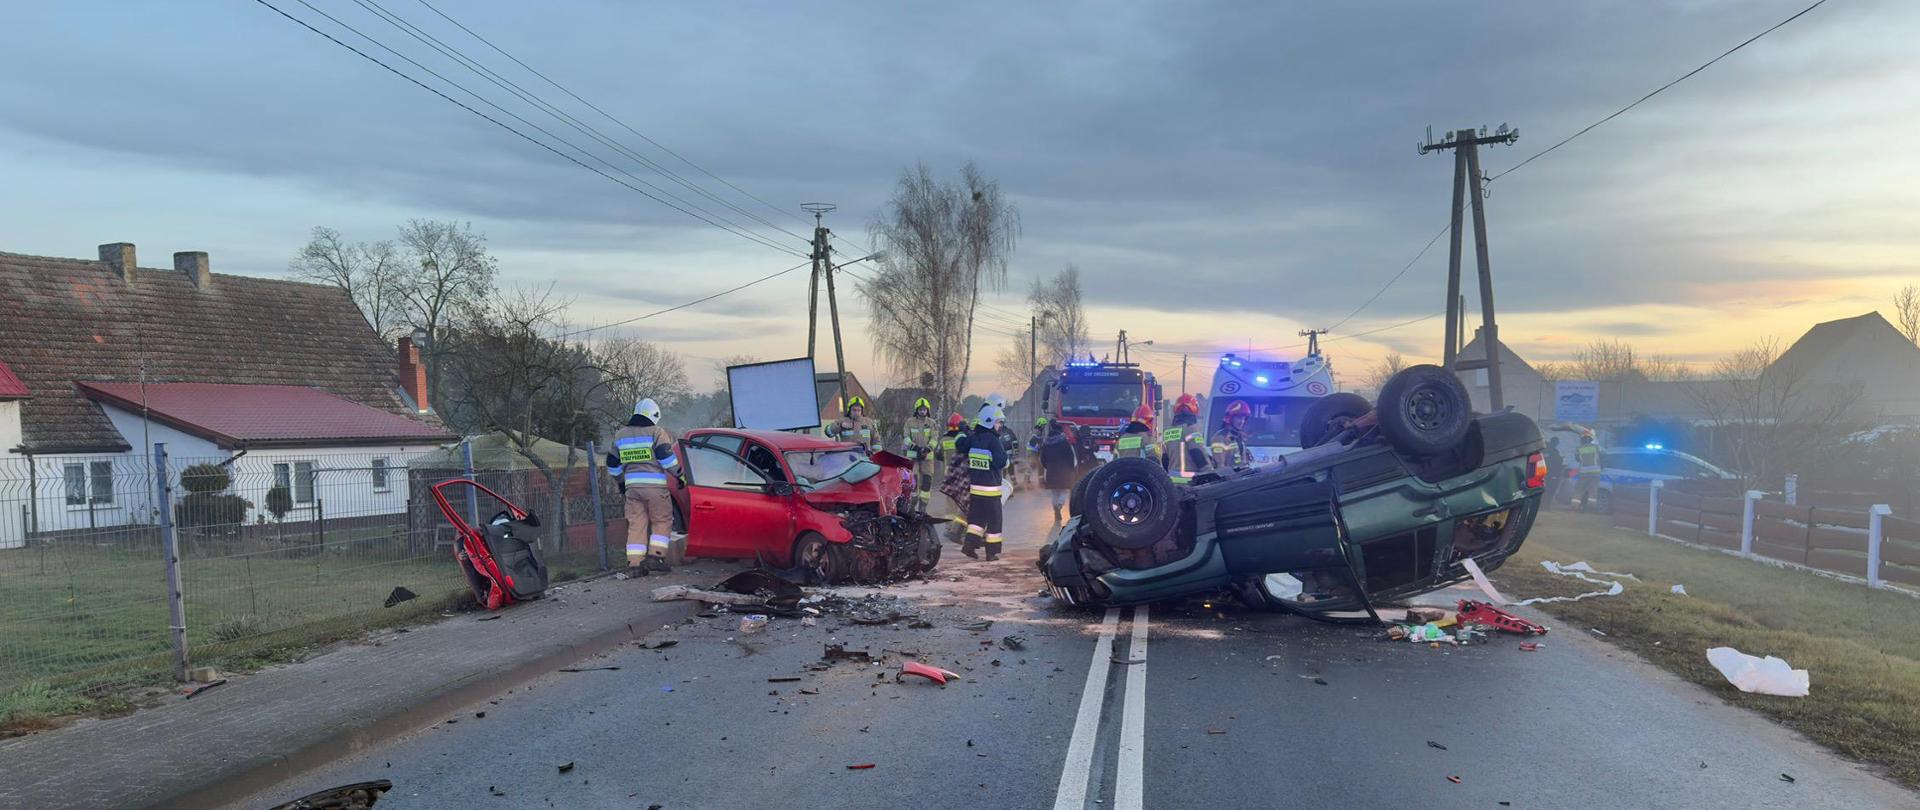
854	426
1183	448
922	441
642	459
1137	439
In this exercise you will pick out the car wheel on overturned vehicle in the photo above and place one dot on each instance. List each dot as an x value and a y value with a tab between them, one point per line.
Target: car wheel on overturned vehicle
1424	411
820	561
1130	503
1329	415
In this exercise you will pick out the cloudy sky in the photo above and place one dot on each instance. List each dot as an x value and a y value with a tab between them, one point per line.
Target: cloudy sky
1225	174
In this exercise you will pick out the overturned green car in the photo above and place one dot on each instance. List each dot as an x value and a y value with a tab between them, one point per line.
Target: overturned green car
1382	503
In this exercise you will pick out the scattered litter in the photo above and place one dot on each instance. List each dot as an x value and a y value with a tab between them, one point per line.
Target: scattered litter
1423	615
839	652
1529	646
866	766
808	621
1397	632
1679	589
1215	730
358	794
809	691
400	595
495	790
1597	631
488	618
622	576
1579	570
666	688
198	690
1013	642
979	626
479	715
672	593
920	624
1764	676
566	767
659	645
1321	681
1432	744
1454	779
939	676
1472	612
1275	658
783	679
1786	778
753	623
587	669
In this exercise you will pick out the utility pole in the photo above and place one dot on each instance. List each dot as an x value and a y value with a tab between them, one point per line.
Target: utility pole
823	265
1183	374
1313	340
1120	347
1466	144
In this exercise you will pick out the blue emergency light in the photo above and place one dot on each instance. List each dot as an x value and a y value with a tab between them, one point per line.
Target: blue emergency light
1655	446
1261	379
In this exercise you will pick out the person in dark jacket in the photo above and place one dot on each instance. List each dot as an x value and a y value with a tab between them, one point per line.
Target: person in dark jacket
1058	463
986	479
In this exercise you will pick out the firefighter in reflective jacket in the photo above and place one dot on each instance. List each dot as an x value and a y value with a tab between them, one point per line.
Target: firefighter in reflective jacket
854	426
1587	484
1182	447
986	477
922	434
1229	443
949	451
642	459
1136	439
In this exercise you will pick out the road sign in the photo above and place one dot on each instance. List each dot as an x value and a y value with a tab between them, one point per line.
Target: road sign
1576	400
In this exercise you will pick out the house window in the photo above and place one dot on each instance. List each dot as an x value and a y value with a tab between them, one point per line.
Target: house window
89	483
297	478
380	475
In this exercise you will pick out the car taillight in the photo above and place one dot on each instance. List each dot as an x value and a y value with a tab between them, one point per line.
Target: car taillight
1538	477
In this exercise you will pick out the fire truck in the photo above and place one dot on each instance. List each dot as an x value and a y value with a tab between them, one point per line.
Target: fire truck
1098	398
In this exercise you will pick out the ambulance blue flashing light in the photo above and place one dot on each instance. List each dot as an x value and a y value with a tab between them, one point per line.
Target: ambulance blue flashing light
1655	446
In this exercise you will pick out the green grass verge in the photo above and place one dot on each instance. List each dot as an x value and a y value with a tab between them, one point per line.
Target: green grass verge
1861	647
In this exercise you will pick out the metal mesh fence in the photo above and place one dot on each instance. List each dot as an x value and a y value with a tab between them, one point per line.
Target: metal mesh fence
274	547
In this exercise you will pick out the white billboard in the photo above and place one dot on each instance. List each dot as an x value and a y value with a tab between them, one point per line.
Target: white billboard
1576	401
776	395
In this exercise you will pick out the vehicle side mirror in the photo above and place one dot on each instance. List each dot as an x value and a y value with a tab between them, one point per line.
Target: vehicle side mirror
778	489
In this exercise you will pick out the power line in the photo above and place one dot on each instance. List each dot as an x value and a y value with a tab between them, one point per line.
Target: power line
695	302
1392	281
1689	74
609	116
473	66
490	119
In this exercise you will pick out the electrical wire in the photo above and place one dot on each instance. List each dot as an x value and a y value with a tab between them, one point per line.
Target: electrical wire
473	66
609	116
495	121
695	302
1657	91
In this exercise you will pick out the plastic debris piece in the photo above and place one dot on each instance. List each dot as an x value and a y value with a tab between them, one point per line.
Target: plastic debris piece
1321	681
1215	730
935	674
587	669
400	595
1486	614
1454	779
1679	589
865	766
566	767
753	623
1432	744
1762	676
1529	646
783	679
1013	642
488	618
199	689
1786	778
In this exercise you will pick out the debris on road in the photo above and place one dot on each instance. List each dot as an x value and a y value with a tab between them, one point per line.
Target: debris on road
357	796
783	679
1432	744
1424	615
1454	779
672	593
198	689
979	626
588	669
753	623
488	618
565	767
1320	681
1529	646
839	652
937	675
1786	778
865	766
1762	676
1482	613
1014	642
659	645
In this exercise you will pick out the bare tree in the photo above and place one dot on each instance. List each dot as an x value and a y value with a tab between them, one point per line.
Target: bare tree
941	246
1061	318
1017	361
1377	376
1607	360
447	272
366	271
1906	310
637	369
1768	416
1552	370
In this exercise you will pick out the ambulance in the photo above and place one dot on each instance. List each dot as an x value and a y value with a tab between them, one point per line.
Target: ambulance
1276	392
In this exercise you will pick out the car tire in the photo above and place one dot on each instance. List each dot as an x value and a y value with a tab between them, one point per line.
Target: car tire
1130	503
1077	499
820	561
1424	411
1329	415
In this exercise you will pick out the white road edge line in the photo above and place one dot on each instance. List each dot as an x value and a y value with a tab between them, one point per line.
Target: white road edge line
1078	769
1129	786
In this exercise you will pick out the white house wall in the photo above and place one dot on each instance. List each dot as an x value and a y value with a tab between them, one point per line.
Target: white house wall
343	480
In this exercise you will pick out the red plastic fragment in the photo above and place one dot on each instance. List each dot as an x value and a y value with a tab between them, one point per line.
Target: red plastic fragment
935	674
1472	612
861	767
1529	646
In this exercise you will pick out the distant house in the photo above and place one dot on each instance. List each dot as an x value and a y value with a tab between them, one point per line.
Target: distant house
826	394
281	382
1864	353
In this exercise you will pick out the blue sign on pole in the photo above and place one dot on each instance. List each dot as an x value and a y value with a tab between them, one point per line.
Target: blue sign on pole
1576	401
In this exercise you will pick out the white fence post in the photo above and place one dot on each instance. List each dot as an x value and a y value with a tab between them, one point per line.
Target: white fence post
1746	521
1876	523
1793	490
1653	507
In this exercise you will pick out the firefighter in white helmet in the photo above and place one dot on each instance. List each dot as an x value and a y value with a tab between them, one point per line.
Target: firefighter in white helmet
642	460
986	477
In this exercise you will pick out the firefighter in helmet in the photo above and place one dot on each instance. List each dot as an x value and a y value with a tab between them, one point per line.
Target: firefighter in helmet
1137	439
986	478
641	460
1183	448
1229	443
922	437
854	426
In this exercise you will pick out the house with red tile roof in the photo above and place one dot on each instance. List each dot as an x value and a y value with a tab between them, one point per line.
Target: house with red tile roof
277	381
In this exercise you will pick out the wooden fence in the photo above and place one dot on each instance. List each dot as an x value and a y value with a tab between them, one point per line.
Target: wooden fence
1812	535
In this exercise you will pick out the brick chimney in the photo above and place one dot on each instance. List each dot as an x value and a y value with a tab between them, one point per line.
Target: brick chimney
119	256
413	373
194	264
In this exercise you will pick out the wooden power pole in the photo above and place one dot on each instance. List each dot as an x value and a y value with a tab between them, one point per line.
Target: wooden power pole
823	266
1466	144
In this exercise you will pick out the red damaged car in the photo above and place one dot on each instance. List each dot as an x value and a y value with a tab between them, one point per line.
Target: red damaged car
789	500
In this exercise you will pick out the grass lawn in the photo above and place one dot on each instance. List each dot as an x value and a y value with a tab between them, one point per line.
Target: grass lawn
82	623
1861	647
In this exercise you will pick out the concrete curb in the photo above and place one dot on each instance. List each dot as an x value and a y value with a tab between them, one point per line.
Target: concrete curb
260	773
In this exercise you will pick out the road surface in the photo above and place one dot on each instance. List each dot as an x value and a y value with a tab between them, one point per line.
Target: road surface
1185	705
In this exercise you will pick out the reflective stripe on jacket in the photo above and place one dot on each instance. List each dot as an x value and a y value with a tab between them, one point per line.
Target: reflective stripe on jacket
646	455
1589	456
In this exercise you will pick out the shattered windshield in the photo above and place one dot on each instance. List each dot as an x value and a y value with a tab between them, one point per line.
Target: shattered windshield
815	467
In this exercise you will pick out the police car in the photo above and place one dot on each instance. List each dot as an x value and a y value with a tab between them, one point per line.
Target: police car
1640	466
